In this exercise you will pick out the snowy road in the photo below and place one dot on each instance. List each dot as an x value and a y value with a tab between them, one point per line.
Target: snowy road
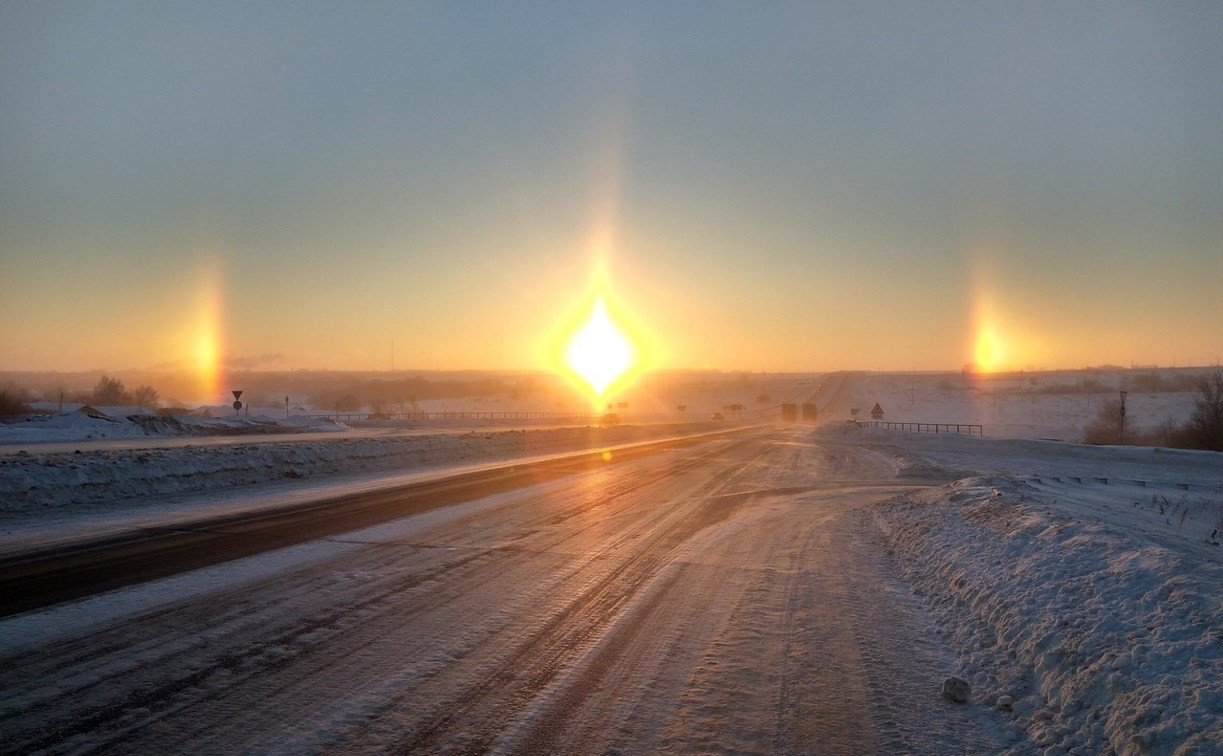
726	597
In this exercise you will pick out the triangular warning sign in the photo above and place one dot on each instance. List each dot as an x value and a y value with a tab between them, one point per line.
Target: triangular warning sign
877	410
238	395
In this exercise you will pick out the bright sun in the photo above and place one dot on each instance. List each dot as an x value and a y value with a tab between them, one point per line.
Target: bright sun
989	352
599	352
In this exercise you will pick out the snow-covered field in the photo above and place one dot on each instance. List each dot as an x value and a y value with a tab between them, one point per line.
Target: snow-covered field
1079	587
1035	405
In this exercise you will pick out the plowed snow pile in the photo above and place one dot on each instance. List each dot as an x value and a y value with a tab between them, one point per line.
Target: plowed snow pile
1088	615
35	486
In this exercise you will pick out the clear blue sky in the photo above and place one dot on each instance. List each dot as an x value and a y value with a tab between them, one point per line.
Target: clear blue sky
769	185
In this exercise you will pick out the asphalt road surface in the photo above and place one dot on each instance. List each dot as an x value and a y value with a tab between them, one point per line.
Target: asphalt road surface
729	596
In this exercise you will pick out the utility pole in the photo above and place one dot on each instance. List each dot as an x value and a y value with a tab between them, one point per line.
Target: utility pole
1121	419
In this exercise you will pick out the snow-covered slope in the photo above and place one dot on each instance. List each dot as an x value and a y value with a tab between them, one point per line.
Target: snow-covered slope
1089	635
134	423
1080	586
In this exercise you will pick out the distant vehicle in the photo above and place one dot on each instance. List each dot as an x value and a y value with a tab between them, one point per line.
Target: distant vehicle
609	418
717	416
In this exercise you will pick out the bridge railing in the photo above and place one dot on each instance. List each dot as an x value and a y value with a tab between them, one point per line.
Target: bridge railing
970	429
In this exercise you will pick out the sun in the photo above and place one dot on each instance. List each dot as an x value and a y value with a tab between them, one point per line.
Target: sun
989	351
600	352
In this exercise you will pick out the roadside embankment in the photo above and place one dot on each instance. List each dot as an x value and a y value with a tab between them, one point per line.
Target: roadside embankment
1088	627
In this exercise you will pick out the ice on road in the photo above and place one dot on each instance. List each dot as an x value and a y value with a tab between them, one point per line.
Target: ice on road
731	597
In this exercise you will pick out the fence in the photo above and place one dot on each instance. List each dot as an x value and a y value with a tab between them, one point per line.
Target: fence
962	428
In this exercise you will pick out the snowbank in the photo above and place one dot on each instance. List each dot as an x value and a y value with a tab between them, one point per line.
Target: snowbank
35	486
1089	618
69	426
83	426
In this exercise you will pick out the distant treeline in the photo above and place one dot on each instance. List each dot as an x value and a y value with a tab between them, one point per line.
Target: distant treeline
1141	383
304	388
346	394
1170	381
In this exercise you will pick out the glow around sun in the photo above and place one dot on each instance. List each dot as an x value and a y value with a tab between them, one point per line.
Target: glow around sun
600	353
989	353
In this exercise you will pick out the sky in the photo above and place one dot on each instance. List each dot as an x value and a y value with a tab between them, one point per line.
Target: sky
752	186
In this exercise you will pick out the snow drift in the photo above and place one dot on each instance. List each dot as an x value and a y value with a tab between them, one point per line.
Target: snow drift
1090	629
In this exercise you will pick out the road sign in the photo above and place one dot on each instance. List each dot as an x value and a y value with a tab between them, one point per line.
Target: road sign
877	411
238	405
237	394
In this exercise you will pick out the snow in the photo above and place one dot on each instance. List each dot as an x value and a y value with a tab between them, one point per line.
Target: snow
28	631
1081	583
139	423
1102	627
655	606
1021	406
58	496
1077	587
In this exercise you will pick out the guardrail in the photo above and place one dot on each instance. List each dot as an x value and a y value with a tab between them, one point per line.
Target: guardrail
1087	480
961	428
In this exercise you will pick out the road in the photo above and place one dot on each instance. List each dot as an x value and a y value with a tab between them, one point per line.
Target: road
725	597
81	564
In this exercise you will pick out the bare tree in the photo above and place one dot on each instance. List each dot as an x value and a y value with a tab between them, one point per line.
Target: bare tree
109	391
145	396
1106	428
1206	425
12	403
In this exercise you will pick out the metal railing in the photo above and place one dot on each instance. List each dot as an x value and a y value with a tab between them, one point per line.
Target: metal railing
961	428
